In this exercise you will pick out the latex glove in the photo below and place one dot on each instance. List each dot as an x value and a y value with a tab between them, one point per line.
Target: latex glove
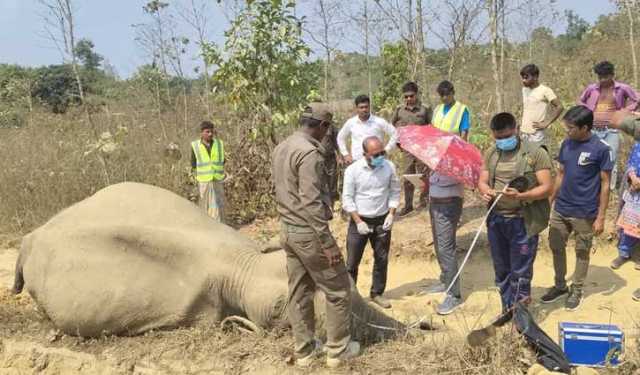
363	228
388	222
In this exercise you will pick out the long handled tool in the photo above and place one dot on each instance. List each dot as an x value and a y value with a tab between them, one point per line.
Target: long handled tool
420	322
475	239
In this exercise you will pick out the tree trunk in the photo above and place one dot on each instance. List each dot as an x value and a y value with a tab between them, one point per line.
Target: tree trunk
422	78
411	43
327	49
206	87
452	62
493	19
327	63
502	37
72	47
366	50
632	44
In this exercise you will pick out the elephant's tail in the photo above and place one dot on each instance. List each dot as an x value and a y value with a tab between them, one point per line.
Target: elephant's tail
18	281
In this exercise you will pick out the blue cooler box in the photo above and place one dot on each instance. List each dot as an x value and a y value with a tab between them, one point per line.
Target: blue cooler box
588	344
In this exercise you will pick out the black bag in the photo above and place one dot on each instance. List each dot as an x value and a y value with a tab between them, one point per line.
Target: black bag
549	354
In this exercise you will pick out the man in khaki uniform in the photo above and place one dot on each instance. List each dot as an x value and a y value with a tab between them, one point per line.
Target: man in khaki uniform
313	258
412	112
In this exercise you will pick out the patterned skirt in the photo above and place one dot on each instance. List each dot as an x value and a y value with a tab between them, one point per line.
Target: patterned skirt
212	199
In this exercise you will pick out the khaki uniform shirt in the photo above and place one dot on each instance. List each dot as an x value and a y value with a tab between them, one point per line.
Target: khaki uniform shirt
302	199
418	115
506	171
631	126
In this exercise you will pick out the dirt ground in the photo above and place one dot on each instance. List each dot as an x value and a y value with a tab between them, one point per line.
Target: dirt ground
29	344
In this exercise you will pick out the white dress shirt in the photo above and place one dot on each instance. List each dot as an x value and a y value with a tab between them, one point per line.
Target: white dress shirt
370	192
360	130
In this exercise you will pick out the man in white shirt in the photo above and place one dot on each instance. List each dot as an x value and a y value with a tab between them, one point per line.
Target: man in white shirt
371	194
540	106
361	126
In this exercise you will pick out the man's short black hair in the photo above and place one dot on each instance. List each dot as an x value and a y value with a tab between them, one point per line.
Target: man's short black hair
604	68
503	120
362	99
410	87
530	70
206	125
579	116
445	88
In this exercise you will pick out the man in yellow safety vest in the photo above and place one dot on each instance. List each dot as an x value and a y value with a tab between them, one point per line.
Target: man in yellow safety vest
451	116
207	161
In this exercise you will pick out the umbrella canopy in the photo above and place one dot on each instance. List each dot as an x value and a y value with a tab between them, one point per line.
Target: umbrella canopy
443	152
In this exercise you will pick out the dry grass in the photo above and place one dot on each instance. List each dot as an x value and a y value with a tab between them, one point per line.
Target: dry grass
212	350
60	159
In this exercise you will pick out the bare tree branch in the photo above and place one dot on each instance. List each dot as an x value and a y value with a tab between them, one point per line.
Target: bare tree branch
59	26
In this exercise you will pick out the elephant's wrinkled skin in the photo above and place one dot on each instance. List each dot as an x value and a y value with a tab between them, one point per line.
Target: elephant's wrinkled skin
135	257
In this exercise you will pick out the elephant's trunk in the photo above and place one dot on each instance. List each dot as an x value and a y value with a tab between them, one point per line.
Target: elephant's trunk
256	287
369	324
258	283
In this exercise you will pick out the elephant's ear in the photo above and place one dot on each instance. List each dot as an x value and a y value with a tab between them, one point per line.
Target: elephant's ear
271	246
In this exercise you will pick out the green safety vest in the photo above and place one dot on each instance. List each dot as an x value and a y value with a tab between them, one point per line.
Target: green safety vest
535	213
451	121
209	168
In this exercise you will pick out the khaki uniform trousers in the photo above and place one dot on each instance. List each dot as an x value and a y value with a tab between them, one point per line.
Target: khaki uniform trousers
308	271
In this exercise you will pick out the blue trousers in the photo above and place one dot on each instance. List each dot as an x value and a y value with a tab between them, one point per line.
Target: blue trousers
626	244
513	254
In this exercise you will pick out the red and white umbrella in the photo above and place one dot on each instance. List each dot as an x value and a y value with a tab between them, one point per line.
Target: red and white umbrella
443	152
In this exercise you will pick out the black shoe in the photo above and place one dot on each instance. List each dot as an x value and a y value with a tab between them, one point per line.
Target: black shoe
553	294
618	262
574	300
405	211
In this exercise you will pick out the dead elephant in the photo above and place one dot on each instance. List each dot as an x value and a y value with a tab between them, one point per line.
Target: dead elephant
135	257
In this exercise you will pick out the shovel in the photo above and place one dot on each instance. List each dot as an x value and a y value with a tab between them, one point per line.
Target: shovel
479	336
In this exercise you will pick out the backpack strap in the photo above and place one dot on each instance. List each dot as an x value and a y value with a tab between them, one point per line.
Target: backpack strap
492	164
526	149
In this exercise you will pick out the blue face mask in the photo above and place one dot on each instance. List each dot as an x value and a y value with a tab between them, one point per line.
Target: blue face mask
377	161
507	144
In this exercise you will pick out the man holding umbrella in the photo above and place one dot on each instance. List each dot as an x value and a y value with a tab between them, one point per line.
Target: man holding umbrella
445	209
453	163
520	214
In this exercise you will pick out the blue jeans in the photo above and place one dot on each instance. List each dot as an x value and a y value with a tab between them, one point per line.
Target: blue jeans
513	254
626	244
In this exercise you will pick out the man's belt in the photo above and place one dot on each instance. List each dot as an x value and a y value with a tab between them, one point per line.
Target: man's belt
444	200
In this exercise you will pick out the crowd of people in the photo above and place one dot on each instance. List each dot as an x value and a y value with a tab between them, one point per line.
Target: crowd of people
567	195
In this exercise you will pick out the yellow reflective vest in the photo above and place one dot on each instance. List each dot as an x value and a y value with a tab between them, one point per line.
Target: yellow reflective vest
209	167
451	121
